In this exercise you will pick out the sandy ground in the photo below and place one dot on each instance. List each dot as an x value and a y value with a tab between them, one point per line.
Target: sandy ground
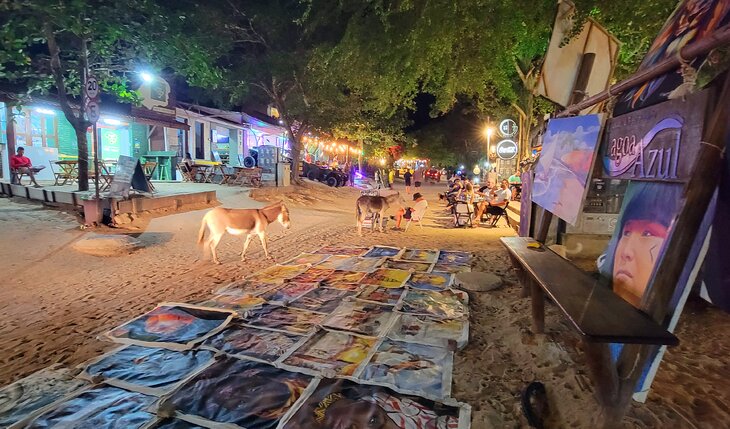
55	302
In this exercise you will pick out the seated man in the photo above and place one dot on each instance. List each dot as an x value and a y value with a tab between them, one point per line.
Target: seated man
467	191
21	164
496	205
487	190
515	183
454	190
417	211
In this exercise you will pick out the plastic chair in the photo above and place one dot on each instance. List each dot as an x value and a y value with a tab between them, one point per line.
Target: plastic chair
416	219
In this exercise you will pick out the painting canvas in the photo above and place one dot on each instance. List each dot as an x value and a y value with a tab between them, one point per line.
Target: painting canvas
447	304
430	281
100	407
331	353
245	288
30	394
278	273
343	277
346	404
176	326
174	424
307	258
312	275
244	393
561	174
382	252
284	318
152	371
423	267
428	330
454	257
240	340
351	263
322	300
420	255
381	295
416	368
342	250
288	293
239	304
386	277
360	317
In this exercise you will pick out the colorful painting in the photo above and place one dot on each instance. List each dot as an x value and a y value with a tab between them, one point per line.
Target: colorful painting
244	393
691	22
360	317
322	300
426	330
30	394
331	353
147	370
414	368
176	326
447	304
423	267
342	250
338	403
343	277
277	274
240	340
101	407
351	263
561	174
386	277
313	275
239	304
245	288
382	252
307	258
288	293
430	281
453	257
174	424
284	318
380	295
420	255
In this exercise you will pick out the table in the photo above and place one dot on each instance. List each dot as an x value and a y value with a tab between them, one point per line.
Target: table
69	171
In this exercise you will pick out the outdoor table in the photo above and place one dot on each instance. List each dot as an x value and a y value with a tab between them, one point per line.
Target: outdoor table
205	172
69	171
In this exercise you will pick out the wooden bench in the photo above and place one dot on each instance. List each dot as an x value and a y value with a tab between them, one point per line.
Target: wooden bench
598	314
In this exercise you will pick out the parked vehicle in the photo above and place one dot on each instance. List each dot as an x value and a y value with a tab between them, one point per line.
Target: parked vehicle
433	174
321	173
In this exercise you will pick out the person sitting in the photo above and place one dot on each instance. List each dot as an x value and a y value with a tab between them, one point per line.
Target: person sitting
453	190
417	211
467	192
20	164
188	166
496	205
487	190
515	183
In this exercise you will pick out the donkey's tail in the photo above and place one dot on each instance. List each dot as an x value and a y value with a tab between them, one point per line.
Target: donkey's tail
203	225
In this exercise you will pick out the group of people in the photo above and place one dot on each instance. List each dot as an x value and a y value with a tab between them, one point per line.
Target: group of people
493	199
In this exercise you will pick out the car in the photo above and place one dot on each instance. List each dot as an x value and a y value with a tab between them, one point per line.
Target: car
433	174
332	177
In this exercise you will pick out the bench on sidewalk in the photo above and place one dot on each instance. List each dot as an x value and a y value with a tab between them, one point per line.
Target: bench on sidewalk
599	315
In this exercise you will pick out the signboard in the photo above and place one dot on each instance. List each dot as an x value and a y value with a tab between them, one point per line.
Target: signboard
92	87
506	149
656	143
128	175
92	111
508	128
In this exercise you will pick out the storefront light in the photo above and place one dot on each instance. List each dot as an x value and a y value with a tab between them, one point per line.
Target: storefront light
111	121
45	111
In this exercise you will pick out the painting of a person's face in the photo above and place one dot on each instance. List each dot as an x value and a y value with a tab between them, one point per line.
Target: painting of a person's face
349	414
636	253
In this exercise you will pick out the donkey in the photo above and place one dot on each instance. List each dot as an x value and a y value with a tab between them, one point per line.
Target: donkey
239	222
375	204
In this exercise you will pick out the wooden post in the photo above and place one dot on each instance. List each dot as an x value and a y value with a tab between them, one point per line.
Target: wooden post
544	226
537	297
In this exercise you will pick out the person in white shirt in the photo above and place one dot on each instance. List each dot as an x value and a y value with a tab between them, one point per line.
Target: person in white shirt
496	205
417	211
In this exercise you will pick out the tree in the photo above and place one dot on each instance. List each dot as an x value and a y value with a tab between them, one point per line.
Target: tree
51	46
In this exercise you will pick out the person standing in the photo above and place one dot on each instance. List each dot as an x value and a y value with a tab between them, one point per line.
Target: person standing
391	178
418	177
407	177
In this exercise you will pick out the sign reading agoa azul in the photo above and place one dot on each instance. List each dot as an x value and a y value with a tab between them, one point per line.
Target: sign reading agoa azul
656	143
506	149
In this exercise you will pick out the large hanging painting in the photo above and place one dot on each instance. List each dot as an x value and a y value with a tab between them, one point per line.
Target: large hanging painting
147	370
340	403
174	326
284	319
28	395
450	333
322	300
247	341
248	394
413	368
691	22
101	407
331	353
562	171
447	304
361	317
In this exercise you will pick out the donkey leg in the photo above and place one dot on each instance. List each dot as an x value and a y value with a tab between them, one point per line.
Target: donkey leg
382	220
262	237
246	242
213	243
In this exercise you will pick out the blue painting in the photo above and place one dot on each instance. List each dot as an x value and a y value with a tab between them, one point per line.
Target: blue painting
562	171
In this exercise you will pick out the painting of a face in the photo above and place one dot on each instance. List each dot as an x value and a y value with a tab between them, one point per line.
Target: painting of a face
636	254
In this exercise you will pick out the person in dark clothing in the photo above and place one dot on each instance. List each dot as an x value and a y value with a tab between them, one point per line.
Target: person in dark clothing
407	177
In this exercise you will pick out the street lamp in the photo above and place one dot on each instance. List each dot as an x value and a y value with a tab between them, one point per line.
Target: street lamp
147	77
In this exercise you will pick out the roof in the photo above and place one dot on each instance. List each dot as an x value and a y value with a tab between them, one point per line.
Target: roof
235	118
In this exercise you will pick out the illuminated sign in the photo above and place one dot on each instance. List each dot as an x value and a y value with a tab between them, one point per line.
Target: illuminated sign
508	128
506	149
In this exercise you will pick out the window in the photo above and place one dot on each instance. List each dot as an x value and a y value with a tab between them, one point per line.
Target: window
199	141
34	128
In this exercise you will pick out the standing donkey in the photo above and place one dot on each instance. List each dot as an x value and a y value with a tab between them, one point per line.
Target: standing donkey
375	204
239	222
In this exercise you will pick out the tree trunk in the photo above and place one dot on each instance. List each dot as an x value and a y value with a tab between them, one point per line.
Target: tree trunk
296	155
83	152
